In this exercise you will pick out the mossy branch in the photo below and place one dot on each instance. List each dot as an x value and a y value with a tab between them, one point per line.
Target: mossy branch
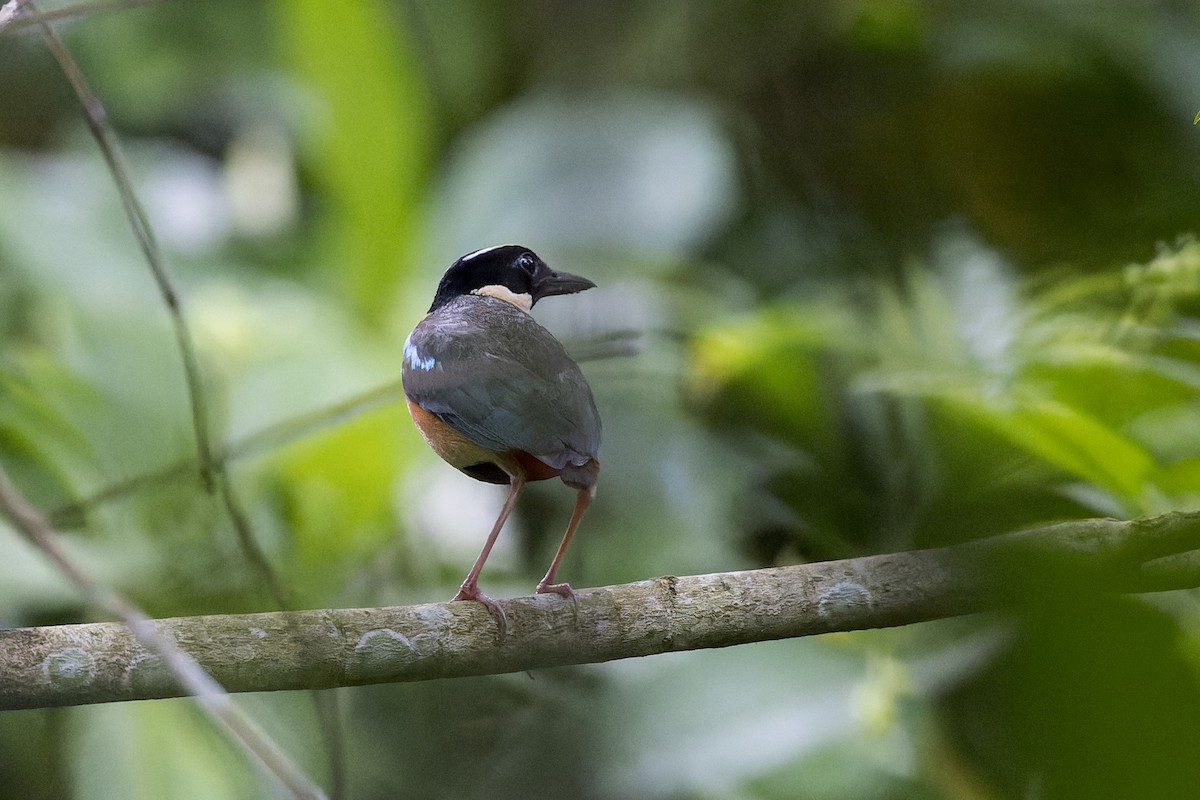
103	662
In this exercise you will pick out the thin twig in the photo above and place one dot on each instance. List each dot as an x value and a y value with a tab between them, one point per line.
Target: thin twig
241	527
65	12
97	119
261	441
212	472
184	671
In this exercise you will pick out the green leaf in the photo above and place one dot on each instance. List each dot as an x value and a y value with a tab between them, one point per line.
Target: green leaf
1182	477
45	446
338	490
767	361
373	148
1069	439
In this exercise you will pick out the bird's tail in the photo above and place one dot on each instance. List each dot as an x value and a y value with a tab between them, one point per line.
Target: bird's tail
582	476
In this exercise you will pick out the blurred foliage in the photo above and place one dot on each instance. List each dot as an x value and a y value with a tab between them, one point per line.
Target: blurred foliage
897	273
1082	397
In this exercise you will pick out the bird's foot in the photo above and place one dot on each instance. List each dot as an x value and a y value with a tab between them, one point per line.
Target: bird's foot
562	590
471	592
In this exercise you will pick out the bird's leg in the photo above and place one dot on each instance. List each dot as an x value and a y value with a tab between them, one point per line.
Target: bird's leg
470	587
582	501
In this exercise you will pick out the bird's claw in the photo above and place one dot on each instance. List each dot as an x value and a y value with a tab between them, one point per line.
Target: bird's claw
563	590
466	592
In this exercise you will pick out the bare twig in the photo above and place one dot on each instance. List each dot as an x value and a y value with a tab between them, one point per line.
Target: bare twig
97	119
212	472
15	22
241	527
343	647
261	441
182	672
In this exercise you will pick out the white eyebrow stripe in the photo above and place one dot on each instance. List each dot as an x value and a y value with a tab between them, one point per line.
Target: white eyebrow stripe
480	252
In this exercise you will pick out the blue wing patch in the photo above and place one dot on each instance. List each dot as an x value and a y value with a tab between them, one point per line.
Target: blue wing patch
413	359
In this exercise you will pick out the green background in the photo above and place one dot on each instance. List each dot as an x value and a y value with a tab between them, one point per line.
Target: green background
873	275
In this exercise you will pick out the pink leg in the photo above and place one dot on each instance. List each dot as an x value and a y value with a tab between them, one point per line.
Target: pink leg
470	587
582	501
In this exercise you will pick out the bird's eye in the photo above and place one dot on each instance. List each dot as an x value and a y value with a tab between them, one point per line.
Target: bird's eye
527	263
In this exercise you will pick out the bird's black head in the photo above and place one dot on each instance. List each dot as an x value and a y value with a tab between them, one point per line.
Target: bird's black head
508	271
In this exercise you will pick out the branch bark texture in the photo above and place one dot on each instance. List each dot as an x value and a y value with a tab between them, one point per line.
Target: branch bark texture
104	662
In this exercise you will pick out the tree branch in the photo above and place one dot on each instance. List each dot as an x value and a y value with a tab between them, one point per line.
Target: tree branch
103	662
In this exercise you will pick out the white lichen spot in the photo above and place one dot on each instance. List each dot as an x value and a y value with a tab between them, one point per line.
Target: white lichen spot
383	651
842	597
258	633
433	614
369	639
70	666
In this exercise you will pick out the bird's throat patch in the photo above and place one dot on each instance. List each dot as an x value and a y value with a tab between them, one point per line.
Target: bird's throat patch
523	301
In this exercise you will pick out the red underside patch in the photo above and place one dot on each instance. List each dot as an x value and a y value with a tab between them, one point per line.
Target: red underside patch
535	469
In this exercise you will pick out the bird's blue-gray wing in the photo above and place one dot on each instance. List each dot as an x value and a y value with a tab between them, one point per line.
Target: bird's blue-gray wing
500	379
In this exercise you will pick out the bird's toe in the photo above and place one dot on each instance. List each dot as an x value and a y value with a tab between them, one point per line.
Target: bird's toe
472	593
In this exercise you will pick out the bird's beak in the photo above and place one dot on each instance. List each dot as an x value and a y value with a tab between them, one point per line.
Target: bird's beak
553	283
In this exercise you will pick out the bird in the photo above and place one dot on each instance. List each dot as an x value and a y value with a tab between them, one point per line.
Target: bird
497	397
